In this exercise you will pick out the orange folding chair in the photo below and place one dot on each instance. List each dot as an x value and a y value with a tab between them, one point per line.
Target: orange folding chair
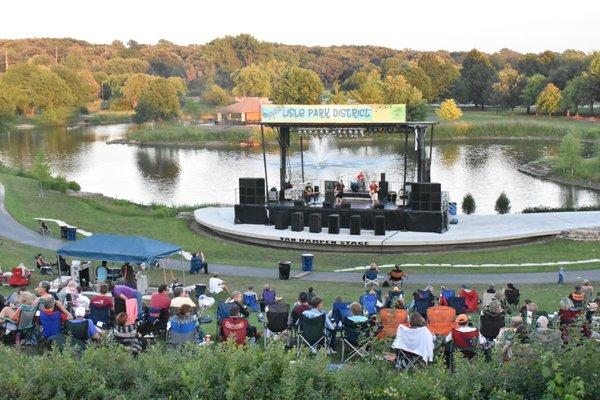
390	319
440	319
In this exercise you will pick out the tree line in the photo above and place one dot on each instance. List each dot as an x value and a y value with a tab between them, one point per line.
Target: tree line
54	77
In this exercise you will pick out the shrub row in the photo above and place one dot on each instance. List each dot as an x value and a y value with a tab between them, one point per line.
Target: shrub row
254	373
544	209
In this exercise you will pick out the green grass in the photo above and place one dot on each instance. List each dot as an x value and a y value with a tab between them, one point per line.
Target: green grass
194	134
588	170
107	216
490	124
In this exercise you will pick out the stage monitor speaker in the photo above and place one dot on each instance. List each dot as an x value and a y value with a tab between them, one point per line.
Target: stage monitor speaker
333	224
297	219
346	205
279	219
384	189
355	225
380	225
252	191
250	214
314	223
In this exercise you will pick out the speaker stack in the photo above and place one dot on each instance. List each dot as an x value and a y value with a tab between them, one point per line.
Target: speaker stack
426	196
333	224
384	188
297	219
252	191
355	225
379	225
314	223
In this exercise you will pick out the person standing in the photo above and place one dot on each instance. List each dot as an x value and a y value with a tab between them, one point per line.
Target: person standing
374	192
561	275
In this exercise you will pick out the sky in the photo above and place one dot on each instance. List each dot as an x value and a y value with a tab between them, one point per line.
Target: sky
524	25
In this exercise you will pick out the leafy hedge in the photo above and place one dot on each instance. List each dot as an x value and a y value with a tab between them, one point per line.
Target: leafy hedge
58	183
544	209
253	373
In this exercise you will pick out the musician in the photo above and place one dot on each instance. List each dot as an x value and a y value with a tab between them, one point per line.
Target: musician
338	191
374	192
360	179
309	194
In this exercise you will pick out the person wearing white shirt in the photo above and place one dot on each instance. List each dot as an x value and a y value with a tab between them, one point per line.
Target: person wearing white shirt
217	285
181	298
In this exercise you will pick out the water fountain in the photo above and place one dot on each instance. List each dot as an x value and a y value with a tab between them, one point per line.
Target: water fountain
320	148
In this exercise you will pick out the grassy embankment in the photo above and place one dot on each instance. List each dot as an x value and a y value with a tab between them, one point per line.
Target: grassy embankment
106	215
473	125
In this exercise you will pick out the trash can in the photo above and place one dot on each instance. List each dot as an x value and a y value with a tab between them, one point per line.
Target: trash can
307	262
452	212
63	232
200	289
284	270
72	233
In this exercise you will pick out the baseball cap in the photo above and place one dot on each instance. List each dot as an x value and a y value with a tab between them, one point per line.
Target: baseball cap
80	311
462	318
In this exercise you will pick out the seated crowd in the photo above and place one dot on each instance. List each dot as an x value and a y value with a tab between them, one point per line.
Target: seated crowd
417	327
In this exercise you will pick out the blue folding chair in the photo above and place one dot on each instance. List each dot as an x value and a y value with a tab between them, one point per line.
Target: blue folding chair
421	306
340	311
182	332
51	323
458	303
268	298
369	303
250	301
222	313
447	293
99	314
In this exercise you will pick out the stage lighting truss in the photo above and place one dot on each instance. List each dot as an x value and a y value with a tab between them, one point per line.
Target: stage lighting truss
345	132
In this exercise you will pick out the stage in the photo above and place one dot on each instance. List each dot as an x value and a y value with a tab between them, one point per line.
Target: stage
472	232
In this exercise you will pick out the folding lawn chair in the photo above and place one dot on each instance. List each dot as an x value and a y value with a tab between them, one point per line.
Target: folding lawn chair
181	332
222	313
100	314
369	303
440	319
311	332
357	337
389	319
371	278
339	311
490	325
250	301
277	322
27	331
421	306
458	303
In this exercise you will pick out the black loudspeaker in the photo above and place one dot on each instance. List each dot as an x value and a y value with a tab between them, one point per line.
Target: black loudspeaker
427	221
379	225
346	205
279	219
333	224
426	196
382	176
384	189
315	189
297	219
314	223
327	204
379	206
355	225
250	214
252	190
298	203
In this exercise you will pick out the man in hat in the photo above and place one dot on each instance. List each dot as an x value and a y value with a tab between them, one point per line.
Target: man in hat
465	336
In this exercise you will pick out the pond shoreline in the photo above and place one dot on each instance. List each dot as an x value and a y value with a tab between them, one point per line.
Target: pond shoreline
544	172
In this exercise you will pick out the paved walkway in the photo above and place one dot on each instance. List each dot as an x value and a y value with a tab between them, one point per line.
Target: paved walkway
12	230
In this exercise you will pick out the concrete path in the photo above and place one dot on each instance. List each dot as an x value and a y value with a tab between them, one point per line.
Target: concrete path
12	230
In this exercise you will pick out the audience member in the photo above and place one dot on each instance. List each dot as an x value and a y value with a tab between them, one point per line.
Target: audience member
397	276
127	334
161	300
317	310
546	336
234	324
488	296
588	290
577	297
92	331
217	285
513	333
103	300
180	297
300	306
237	298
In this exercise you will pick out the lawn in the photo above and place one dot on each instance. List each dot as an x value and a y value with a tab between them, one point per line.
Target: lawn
114	217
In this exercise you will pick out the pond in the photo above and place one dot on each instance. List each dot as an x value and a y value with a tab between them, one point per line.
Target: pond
186	176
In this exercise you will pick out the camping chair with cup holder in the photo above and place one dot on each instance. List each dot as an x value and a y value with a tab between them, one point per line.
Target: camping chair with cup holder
458	303
276	323
44	228
221	313
357	337
27	331
490	325
389	319
440	320
100	315
371	278
311	333
250	301
182	332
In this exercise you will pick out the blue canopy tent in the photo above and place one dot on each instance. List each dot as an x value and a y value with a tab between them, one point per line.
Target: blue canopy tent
115	248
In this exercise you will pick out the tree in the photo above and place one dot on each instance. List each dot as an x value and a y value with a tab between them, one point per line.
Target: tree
158	102
443	73
576	93
396	90
549	100
82	84
369	92
468	204
533	87
120	65
135	85
414	75
215	96
298	86
41	170
192	108
251	81
179	86
569	159
508	88
477	74
502	204
449	110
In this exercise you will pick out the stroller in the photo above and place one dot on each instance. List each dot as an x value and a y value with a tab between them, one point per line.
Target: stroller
44	229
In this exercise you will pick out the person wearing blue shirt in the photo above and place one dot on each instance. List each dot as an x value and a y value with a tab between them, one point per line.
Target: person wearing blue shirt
92	331
317	310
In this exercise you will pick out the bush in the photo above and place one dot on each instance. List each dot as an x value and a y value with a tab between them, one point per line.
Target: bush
468	204
502	204
544	209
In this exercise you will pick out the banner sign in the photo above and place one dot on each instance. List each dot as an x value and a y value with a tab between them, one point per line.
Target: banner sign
332	113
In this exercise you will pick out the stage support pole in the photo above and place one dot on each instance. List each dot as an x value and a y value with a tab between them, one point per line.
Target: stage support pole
284	142
182	267
405	168
264	151
302	157
431	145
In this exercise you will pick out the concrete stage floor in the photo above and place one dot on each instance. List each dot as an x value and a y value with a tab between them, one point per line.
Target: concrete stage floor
472	231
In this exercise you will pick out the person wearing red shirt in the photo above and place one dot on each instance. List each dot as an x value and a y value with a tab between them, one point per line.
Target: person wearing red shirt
161	299
374	192
103	300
